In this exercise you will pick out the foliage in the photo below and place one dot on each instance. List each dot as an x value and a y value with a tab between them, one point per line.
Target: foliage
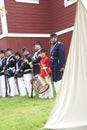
2	11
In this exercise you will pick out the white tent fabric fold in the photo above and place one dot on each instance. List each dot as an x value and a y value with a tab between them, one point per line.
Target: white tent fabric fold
70	108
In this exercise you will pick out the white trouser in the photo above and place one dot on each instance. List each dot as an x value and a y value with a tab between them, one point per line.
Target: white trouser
49	92
21	86
57	86
13	86
28	85
2	85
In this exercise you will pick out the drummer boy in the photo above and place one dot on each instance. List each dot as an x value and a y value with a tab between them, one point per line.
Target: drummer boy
45	72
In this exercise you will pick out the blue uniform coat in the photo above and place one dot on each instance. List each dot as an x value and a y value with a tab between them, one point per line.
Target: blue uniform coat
57	56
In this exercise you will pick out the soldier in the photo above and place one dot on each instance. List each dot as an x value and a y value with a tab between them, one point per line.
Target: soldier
3	86
27	70
57	57
19	74
10	66
45	71
36	58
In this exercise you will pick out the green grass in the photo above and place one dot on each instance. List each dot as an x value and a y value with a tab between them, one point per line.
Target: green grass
23	113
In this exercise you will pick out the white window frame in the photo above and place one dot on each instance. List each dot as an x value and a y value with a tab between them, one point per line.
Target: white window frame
69	2
29	1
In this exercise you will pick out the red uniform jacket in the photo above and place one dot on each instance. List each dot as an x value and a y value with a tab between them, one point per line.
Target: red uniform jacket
45	66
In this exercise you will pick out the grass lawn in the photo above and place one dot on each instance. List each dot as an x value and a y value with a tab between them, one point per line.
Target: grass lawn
23	113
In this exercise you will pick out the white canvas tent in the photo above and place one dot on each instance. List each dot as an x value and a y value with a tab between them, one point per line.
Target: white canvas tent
70	109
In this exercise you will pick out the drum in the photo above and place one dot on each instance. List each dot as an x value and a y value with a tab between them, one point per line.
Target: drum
39	83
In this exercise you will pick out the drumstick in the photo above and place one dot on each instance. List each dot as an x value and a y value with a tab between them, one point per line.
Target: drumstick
44	68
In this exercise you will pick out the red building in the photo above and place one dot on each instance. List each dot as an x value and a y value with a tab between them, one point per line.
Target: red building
27	21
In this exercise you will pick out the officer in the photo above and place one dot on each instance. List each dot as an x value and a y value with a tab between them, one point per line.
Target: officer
3	86
19	74
27	70
10	66
36	58
57	57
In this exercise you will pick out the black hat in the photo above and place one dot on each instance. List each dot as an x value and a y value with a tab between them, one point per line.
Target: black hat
24	49
37	43
17	54
2	51
42	51
8	49
53	35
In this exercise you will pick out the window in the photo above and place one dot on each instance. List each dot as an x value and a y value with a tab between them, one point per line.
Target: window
69	2
29	1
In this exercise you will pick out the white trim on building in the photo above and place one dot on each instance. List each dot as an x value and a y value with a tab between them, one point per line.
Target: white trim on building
26	35
29	1
37	35
65	31
69	2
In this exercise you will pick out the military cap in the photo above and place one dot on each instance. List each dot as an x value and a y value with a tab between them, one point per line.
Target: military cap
42	51
37	43
8	49
2	51
24	49
17	54
53	35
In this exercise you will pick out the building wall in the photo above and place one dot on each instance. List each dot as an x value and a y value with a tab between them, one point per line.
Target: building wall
17	43
28	18
66	39
62	17
47	17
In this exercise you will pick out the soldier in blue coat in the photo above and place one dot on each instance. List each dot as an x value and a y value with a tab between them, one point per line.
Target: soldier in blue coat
3	87
36	58
10	66
57	57
19	74
27	70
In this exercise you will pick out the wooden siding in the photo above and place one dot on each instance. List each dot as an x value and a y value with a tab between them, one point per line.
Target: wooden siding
28	18
66	40
62	17
17	43
47	17
0	26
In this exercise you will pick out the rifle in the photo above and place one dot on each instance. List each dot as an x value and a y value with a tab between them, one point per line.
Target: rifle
32	88
5	77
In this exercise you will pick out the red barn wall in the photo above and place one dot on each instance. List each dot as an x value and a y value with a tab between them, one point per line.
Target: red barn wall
62	17
17	43
28	18
47	17
66	39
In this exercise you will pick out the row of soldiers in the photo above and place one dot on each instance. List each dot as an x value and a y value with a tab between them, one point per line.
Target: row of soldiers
16	72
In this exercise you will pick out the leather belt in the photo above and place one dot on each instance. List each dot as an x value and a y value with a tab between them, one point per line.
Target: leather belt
53	58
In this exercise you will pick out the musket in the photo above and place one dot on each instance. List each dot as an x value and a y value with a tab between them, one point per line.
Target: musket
5	77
